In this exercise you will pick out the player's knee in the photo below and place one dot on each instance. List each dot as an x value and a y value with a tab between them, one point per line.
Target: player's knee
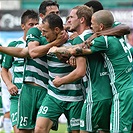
39	129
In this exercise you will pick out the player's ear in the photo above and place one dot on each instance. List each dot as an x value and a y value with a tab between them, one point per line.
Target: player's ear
57	29
82	19
101	26
41	16
23	26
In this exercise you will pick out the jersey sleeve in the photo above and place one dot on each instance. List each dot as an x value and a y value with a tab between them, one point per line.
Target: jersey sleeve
99	44
33	34
7	59
81	39
77	40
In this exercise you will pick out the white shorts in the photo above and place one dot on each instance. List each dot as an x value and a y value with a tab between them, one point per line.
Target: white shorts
5	97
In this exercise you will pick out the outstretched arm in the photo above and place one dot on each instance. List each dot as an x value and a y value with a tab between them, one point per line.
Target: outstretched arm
15	51
64	53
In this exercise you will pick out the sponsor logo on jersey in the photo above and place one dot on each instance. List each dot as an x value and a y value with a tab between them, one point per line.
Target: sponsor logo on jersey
74	122
29	36
103	73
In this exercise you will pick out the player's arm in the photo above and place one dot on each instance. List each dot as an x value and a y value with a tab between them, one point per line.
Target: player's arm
76	74
7	78
14	51
119	30
64	53
36	50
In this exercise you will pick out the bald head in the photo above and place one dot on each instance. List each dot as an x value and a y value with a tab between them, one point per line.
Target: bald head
105	17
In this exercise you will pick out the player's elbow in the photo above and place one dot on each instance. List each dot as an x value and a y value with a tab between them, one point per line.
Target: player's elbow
81	74
33	54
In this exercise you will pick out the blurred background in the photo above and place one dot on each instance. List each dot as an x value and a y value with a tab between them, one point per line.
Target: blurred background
11	10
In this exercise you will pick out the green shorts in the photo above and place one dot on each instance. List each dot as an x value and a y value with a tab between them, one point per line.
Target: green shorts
95	116
52	108
122	111
30	100
14	109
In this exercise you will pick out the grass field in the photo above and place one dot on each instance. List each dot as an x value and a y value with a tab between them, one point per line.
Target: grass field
62	129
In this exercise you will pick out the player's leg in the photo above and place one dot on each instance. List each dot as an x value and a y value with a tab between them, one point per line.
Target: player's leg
30	100
6	107
95	116
48	115
14	112
121	113
72	113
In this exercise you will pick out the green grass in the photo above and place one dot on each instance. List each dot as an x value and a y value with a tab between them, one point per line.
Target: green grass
61	129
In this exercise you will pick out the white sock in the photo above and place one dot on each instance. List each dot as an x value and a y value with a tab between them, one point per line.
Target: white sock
7	125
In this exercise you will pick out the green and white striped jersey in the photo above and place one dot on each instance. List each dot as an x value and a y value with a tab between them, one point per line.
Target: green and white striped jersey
36	70
16	64
66	92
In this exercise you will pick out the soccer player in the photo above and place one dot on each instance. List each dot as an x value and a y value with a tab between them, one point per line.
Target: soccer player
67	96
28	19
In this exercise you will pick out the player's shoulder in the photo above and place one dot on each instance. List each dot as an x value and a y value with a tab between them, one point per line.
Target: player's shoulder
34	31
43	40
15	43
116	23
100	38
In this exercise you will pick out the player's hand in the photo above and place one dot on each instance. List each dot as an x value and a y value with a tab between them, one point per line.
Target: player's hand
72	61
74	35
63	54
13	90
52	50
85	45
61	38
57	81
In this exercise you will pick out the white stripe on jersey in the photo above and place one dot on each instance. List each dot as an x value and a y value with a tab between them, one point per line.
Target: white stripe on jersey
65	98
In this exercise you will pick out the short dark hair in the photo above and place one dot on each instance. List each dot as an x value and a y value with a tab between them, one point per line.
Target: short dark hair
44	4
53	21
96	5
28	14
